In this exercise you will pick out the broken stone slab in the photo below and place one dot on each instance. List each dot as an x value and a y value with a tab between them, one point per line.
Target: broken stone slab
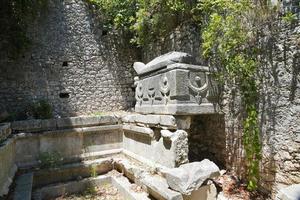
151	120
183	122
158	187
125	188
163	61
140	130
181	147
189	177
207	192
5	131
291	192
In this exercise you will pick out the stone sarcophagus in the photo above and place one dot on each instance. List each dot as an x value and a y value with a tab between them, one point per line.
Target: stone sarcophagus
173	84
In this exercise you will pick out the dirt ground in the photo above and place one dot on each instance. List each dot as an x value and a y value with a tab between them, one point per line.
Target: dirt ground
105	192
235	189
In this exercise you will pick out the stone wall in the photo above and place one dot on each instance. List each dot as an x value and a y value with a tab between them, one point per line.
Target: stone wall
279	112
73	63
184	38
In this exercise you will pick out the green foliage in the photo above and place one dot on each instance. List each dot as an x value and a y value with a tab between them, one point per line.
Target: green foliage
155	19
289	17
41	110
98	113
230	37
146	20
118	13
93	171
17	14
228	33
50	159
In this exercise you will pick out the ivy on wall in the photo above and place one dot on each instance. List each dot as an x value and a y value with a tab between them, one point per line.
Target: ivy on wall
230	35
146	20
15	17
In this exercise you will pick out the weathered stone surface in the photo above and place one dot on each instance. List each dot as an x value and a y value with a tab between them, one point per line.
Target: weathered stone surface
69	56
49	124
5	131
183	122
72	144
125	188
160	188
181	147
140	130
166	152
163	61
291	192
68	171
178	90
23	187
7	165
27	125
167	134
63	123
189	177
53	191
207	192
151	120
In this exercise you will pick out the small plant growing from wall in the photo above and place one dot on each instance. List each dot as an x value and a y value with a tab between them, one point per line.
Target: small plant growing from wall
50	159
42	110
93	171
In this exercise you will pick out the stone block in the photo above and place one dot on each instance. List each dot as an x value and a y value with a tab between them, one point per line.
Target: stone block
188	178
291	192
23	187
69	122
5	131
174	88
7	165
183	122
159	188
207	192
27	125
107	120
140	130
151	120
48	124
73	122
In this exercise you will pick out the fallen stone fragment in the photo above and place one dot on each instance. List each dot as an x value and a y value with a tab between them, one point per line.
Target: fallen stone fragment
291	192
189	177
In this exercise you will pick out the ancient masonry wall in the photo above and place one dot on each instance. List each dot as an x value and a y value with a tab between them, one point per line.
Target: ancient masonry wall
73	63
220	137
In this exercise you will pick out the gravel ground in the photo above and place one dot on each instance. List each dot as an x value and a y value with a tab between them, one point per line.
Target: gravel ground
105	192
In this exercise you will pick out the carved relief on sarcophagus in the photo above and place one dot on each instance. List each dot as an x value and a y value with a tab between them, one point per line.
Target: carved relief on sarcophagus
174	84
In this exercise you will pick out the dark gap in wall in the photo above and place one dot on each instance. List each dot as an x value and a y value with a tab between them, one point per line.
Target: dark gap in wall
207	139
64	95
104	32
65	63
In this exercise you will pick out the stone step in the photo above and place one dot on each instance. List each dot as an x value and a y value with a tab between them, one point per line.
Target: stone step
23	187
